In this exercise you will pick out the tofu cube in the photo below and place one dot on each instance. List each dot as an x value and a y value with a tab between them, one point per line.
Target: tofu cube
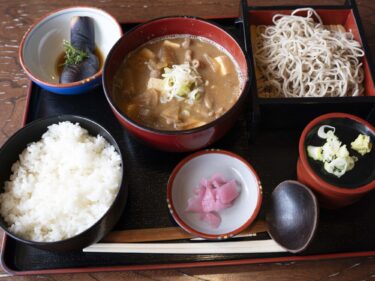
171	44
156	84
147	53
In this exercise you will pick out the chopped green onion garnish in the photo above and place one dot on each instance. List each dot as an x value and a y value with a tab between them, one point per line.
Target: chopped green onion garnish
72	54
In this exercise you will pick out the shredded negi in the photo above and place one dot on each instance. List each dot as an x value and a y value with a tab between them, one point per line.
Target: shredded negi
72	54
333	153
182	82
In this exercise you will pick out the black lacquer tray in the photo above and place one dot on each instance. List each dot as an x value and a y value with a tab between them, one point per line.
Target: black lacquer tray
273	154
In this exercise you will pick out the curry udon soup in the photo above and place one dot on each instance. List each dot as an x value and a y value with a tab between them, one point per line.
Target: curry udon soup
177	82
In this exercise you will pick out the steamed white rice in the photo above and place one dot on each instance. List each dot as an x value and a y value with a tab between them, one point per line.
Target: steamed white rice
61	185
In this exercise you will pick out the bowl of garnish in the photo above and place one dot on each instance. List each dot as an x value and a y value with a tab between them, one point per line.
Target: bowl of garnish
337	158
61	183
214	194
64	51
176	83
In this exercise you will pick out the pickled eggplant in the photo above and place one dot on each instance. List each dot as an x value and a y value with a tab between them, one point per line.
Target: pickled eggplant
80	59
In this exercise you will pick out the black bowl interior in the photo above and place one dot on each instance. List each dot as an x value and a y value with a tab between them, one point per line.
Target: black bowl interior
292	216
347	131
9	154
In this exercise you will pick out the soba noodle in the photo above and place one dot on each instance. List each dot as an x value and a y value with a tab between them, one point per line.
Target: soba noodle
298	57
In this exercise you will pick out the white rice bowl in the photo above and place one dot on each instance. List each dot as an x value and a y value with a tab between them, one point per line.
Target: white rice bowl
61	185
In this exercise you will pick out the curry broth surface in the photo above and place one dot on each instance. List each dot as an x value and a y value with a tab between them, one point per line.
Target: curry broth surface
137	102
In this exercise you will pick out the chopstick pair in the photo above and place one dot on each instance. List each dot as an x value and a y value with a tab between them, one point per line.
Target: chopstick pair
127	241
169	234
259	246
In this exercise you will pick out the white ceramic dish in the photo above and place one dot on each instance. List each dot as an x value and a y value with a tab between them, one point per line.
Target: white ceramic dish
186	177
43	43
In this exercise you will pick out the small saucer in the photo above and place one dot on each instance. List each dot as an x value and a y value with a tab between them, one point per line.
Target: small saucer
186	177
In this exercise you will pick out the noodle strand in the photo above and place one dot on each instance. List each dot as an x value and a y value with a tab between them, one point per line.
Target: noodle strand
298	57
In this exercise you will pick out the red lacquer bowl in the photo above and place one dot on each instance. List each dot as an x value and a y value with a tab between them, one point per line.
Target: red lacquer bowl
182	140
333	192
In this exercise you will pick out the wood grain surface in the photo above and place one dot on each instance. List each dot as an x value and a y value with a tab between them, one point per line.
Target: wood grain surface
17	16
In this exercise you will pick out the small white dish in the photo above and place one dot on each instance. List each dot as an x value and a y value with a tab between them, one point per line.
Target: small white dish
185	179
43	44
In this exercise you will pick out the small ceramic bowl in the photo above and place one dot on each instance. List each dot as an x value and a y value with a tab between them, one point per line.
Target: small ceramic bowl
9	154
42	45
333	192
185	179
181	140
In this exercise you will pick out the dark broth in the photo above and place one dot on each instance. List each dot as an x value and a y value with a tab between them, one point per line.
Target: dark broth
144	104
59	66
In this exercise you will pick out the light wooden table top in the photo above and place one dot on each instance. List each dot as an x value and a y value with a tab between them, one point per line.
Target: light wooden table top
15	18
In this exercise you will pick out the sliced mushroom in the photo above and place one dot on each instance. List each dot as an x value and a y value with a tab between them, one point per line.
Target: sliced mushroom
131	110
219	112
154	97
155	73
148	98
186	43
211	62
171	114
167	57
208	102
192	123
184	114
171	44
151	64
153	67
195	63
188	55
144	111
146	53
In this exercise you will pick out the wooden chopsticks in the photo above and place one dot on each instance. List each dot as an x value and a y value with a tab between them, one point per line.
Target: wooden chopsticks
167	234
259	246
128	241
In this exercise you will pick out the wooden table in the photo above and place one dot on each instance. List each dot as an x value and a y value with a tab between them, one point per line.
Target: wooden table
15	18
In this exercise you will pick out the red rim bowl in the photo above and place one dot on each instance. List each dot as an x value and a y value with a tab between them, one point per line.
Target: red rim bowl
182	140
43	43
186	177
329	195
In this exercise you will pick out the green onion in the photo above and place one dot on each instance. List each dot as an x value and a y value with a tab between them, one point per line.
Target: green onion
72	54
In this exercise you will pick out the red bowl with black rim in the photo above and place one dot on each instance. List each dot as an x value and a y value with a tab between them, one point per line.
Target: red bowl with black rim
335	192
186	179
181	140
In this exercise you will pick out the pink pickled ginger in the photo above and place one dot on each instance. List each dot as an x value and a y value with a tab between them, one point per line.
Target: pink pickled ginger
195	202
227	192
213	219
212	196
